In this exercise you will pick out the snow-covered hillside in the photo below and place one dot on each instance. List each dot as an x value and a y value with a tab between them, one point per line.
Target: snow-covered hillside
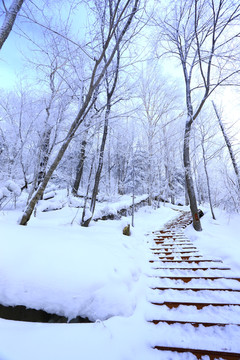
93	272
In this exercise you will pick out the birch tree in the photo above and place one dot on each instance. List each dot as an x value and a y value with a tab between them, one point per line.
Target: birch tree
111	81
10	15
123	14
202	35
229	146
157	105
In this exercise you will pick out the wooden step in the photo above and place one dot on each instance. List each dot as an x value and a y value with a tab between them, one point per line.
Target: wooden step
169	243
174	242
188	261
183	258
192	269
172	247
175	252
186	279
193	323
199	305
213	355
193	289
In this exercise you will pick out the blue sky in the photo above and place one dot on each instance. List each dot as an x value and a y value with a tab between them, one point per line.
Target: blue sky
12	62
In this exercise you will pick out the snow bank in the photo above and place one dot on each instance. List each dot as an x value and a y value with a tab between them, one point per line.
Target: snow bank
70	270
73	271
219	237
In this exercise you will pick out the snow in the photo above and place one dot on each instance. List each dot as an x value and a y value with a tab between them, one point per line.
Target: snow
77	274
110	207
219	238
13	187
96	272
4	192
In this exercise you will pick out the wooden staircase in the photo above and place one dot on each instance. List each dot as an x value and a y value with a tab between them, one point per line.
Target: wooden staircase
193	298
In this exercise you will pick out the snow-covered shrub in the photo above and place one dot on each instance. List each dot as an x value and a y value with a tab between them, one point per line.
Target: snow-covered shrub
9	191
13	187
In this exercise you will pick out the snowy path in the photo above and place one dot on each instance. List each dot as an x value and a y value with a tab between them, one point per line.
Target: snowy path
194	302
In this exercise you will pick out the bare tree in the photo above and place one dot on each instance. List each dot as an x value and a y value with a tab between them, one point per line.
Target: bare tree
124	12
229	146
110	85
202	34
156	103
81	160
205	140
9	19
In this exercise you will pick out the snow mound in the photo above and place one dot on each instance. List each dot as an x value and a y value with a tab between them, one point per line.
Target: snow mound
69	271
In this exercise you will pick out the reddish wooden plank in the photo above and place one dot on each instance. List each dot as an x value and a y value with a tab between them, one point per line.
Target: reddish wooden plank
194	289
193	323
199	305
201	352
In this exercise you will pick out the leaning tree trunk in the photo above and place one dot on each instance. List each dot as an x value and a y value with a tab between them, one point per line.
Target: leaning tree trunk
40	190
189	179
89	101
110	93
44	155
9	20
229	146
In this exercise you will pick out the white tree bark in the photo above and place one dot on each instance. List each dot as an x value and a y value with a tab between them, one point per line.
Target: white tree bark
229	146
9	20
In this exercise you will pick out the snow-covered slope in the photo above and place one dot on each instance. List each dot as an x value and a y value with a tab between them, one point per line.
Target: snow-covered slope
95	272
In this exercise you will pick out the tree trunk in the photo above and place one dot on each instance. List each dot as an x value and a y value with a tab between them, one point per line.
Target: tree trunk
186	194
150	171
40	190
110	93
229	146
208	182
9	20
189	179
79	170
100	162
96	78
86	222
44	155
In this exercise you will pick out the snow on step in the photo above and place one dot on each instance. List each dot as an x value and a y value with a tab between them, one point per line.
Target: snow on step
194	283
188	266
180	261
187	336
196	353
194	273
191	296
227	314
199	296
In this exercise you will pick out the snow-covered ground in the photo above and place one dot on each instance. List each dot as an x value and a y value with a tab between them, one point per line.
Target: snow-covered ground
220	237
96	272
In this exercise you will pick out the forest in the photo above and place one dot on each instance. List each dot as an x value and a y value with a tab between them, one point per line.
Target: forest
116	97
119	179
